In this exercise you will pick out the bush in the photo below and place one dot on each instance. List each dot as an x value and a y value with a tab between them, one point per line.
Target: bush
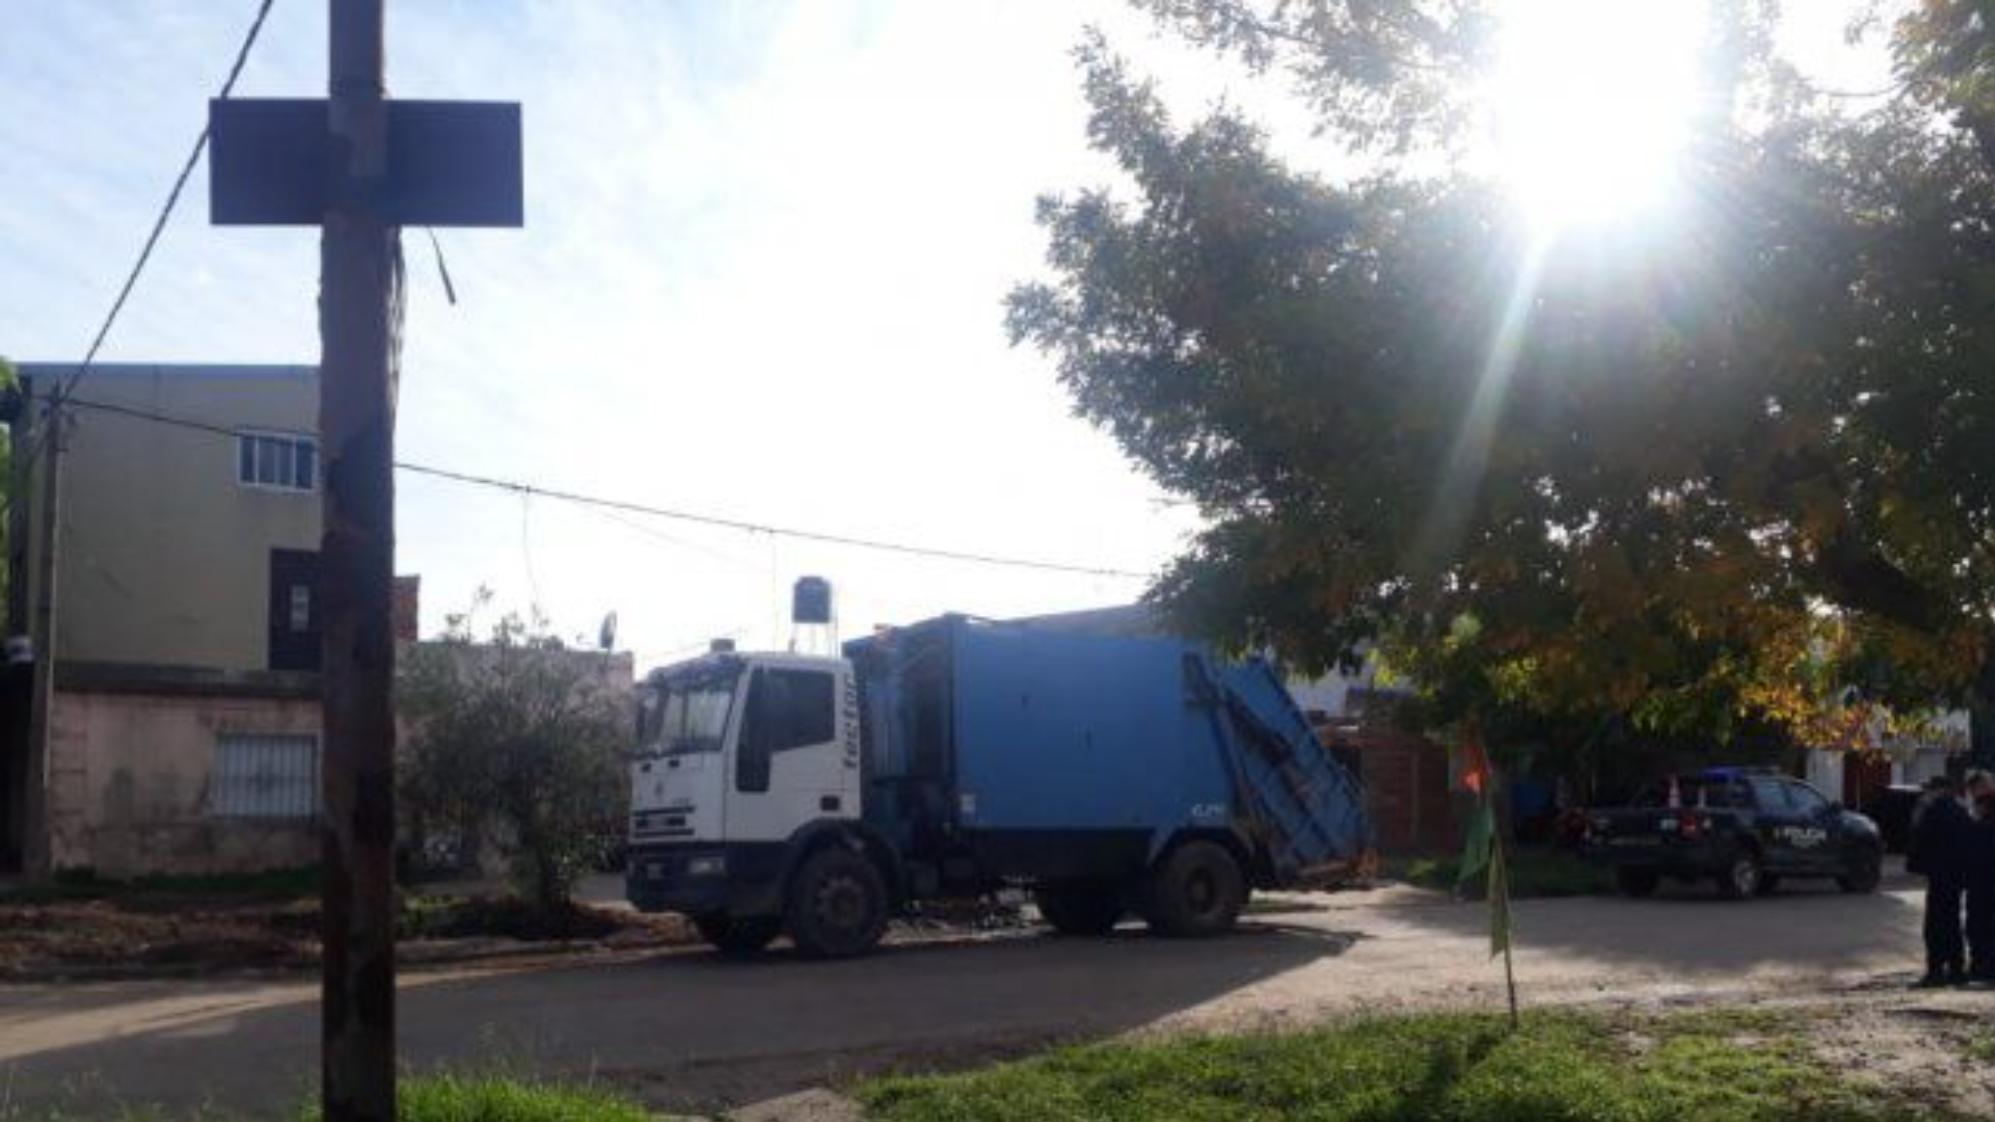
518	740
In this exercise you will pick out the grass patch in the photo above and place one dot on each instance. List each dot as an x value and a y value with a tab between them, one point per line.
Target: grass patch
1560	1067
85	884
457	1098
1533	872
429	1098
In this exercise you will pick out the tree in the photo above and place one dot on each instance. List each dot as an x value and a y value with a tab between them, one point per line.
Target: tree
1702	473
519	740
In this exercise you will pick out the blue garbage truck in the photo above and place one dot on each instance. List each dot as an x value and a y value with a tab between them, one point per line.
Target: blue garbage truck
1110	775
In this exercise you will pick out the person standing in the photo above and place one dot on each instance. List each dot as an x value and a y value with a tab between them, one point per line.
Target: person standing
1941	830
1978	871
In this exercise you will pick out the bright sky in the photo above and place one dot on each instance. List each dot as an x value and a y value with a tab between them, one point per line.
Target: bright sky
761	274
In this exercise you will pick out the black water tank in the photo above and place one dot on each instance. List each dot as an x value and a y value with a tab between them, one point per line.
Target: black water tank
810	601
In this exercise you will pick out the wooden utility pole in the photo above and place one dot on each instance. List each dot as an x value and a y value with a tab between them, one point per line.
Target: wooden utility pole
35	854
360	313
285	162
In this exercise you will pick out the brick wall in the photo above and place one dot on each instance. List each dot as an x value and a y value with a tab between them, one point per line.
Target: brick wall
1406	789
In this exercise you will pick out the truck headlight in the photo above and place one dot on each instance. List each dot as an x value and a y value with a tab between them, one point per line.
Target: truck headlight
706	866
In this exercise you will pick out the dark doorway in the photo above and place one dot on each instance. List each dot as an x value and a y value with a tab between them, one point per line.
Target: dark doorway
294	609
16	690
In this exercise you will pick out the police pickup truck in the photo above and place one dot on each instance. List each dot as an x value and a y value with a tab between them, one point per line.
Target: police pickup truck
1746	828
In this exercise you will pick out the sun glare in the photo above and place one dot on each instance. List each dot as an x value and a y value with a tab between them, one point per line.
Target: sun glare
1592	103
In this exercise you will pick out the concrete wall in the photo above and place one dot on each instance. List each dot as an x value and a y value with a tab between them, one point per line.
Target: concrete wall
129	778
131	773
166	557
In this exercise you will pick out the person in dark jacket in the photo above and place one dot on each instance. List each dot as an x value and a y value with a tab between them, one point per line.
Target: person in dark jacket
1941	837
1978	869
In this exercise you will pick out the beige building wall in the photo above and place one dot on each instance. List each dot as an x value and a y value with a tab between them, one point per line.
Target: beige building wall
165	557
131	785
163	628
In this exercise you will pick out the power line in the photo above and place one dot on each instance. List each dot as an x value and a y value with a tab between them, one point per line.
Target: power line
764	527
68	386
165	212
656	534
605	503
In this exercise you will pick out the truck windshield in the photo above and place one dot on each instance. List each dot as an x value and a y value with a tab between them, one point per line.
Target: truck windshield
688	717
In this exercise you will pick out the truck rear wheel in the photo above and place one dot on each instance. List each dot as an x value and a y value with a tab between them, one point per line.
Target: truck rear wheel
1082	907
1740	880
1197	890
746	935
837	906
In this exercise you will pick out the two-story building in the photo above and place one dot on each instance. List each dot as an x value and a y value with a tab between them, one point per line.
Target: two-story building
184	730
184	734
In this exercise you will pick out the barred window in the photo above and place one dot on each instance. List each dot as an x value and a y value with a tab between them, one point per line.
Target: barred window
265	775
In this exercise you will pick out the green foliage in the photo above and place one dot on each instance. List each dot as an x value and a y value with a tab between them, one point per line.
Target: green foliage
1944	51
456	1098
1695	476
518	740
1532	873
426	1098
1428	1068
86	884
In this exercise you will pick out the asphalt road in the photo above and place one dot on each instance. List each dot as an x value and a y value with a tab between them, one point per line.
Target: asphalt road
691	1029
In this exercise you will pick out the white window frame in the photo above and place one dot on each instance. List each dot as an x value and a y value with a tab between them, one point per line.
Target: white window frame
254	808
252	441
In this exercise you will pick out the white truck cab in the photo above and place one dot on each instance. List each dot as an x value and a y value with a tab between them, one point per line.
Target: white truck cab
740	757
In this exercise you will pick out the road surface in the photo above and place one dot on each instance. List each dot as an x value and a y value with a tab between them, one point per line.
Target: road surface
689	1029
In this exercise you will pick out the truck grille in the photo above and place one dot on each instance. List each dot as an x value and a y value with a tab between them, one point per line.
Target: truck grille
659	824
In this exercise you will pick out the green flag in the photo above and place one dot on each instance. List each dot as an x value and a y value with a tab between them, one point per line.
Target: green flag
1483	851
1480	838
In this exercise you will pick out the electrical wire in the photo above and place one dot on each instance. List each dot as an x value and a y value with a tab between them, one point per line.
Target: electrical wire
601	502
656	534
166	211
746	526
526	549
68	386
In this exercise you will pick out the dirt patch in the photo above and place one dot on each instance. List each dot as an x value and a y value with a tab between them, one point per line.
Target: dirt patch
149	935
155	934
1939	1056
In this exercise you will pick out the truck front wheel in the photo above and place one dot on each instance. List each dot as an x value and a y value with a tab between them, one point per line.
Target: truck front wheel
837	906
741	936
1079	907
1197	890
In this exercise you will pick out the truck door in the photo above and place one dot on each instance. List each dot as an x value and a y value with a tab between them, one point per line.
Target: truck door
790	764
1774	824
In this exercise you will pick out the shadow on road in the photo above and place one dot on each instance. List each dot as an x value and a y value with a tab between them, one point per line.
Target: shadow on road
686	1029
1691	929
